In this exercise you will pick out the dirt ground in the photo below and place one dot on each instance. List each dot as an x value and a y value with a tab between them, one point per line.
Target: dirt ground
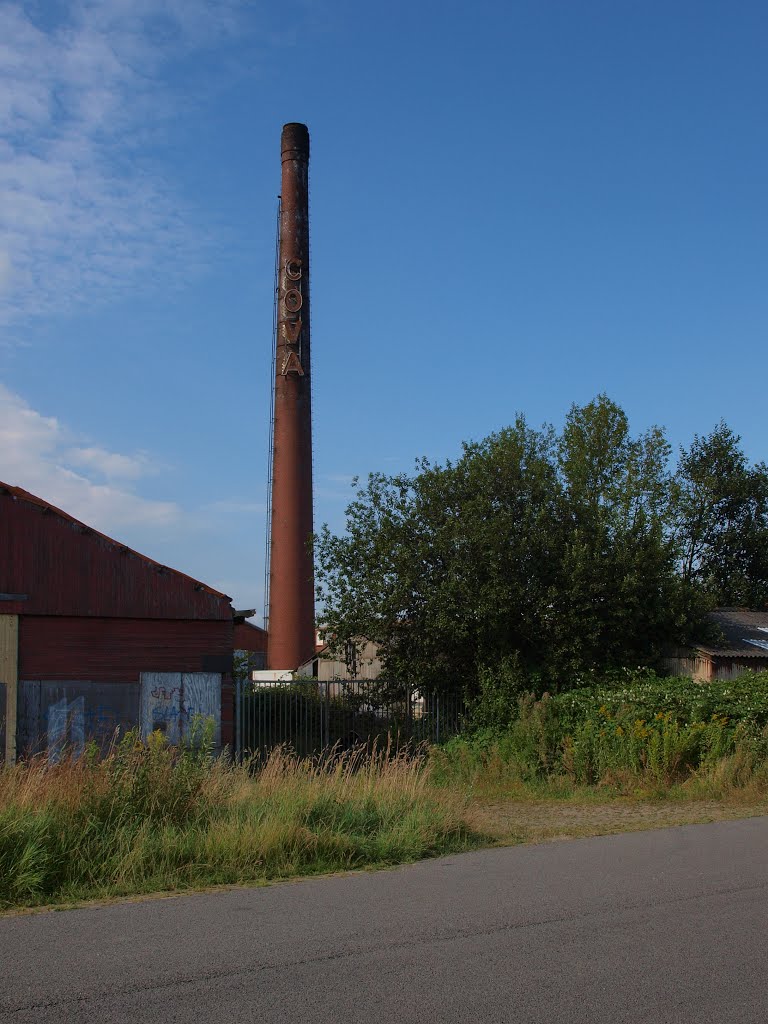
517	821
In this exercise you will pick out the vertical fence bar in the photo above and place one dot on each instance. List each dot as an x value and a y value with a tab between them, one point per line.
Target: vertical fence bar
312	717
238	716
326	732
256	719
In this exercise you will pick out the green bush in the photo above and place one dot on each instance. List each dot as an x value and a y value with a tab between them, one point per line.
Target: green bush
744	699
660	730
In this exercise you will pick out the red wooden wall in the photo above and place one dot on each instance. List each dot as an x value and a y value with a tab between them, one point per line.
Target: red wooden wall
117	650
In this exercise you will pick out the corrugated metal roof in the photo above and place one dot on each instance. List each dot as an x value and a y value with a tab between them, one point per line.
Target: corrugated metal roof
38	557
741	628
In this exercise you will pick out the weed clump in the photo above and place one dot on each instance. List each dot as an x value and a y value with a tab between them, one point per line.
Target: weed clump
650	735
148	817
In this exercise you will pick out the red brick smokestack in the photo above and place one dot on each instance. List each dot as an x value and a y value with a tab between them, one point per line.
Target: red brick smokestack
291	639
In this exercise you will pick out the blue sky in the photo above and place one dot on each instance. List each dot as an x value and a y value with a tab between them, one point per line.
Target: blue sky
514	206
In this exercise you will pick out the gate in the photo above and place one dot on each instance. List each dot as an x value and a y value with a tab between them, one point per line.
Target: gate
310	716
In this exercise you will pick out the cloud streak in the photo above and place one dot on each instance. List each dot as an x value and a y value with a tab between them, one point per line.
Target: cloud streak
36	453
111	465
82	216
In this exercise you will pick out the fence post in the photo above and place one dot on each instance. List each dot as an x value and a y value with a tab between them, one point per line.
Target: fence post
326	724
238	717
437	716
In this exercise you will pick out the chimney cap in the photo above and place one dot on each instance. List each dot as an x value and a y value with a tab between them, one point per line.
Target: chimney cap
295	138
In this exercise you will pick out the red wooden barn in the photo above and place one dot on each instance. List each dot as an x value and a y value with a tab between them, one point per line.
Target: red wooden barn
96	637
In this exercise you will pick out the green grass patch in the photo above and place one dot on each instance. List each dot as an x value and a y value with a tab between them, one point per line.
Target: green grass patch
151	818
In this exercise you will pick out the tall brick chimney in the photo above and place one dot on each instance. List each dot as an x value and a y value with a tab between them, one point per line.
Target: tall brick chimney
291	640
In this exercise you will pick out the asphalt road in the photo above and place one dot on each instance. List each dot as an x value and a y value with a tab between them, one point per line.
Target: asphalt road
660	926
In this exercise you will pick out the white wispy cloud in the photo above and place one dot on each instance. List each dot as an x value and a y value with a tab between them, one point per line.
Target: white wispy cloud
37	453
111	465
100	487
82	85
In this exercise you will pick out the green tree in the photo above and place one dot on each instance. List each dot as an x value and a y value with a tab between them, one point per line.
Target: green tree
448	568
722	520
619	601
549	554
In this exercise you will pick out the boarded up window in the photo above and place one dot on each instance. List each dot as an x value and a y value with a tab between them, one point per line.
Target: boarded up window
176	703
64	716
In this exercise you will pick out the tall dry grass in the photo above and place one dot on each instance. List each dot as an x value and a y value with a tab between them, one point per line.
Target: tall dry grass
151	818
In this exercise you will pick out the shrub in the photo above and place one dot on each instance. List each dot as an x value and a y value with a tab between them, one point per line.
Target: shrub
660	731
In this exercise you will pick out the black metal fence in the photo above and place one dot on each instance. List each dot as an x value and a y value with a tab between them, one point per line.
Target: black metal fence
311	716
